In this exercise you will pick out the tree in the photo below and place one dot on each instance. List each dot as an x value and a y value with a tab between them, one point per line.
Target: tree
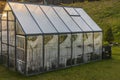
109	37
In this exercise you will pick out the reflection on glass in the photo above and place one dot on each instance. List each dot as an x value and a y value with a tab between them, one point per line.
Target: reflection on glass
4	31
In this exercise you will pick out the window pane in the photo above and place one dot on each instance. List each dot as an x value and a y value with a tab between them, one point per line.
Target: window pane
77	40
67	19
65	50
4	31
34	54
41	19
20	41
89	20
97	45
51	52
57	22
88	46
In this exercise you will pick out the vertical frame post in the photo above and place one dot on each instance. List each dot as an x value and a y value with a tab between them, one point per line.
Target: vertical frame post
7	41
58	50
43	52
25	55
15	45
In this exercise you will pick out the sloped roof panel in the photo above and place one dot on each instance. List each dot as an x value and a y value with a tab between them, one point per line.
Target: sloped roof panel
67	19
71	11
77	18
88	20
81	23
28	24
41	19
55	20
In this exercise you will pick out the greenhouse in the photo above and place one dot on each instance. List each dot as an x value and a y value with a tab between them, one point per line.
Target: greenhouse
40	38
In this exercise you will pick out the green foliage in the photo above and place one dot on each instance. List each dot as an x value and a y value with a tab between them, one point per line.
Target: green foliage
109	35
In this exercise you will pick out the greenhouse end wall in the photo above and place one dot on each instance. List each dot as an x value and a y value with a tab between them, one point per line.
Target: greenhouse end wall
38	53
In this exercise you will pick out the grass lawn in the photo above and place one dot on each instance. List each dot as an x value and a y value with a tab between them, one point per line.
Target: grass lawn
101	70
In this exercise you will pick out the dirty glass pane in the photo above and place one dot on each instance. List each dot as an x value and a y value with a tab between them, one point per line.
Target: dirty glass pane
4	54
97	46
12	57
11	33
51	52
19	29
88	46
65	50
34	54
4	31
77	55
20	41
11	44
10	16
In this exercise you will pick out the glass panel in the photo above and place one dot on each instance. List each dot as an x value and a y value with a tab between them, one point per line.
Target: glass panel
19	29
51	52
20	41
4	16
11	33
4	54
67	19
89	20
4	31
34	54
12	57
41	19
88	46
11	44
71	11
81	23
77	40
7	7
10	16
65	50
27	22
97	46
57	22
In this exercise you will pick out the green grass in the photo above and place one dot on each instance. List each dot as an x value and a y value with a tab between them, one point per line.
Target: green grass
101	70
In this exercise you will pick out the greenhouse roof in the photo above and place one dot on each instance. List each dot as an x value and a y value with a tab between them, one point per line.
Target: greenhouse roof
42	19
